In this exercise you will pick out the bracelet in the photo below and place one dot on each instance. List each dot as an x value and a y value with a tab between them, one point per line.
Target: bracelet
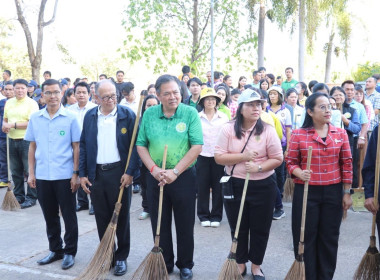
151	170
362	137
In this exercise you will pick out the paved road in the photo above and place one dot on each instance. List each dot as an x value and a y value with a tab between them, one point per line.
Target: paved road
23	241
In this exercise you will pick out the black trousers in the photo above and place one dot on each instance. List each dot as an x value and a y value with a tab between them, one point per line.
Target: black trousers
179	197
104	194
323	218
53	195
355	162
208	176
143	173
256	219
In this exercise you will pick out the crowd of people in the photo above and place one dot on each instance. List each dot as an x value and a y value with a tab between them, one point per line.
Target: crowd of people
71	140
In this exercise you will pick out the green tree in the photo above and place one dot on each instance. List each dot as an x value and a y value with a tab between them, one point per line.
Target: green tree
35	53
101	65
366	70
167	32
339	21
278	12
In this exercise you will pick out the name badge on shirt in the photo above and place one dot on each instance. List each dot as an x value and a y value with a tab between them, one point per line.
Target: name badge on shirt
62	133
181	127
123	130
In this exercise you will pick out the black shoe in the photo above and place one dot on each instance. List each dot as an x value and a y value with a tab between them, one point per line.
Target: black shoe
52	257
120	268
185	274
136	188
258	277
81	207
91	212
169	270
20	200
244	271
68	261
27	204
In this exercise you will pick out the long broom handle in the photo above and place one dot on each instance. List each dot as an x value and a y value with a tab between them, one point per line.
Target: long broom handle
132	144
377	171
241	205
305	193
8	163
161	194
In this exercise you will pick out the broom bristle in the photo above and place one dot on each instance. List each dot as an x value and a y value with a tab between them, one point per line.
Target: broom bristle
152	267
10	202
297	271
369	267
230	271
101	263
288	189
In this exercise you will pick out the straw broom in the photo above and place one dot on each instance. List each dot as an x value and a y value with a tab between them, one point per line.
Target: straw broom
369	267
230	269
297	271
101	262
10	202
153	266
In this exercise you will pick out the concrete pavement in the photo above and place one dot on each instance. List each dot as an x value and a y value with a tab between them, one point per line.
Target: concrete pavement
23	241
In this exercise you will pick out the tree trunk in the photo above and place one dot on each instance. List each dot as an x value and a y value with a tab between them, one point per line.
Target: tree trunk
329	57
301	41
261	33
195	32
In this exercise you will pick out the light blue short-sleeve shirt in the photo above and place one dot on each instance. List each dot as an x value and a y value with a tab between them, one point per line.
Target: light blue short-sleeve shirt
363	119
53	137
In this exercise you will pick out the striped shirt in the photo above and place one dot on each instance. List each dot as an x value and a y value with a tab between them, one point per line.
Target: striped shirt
331	160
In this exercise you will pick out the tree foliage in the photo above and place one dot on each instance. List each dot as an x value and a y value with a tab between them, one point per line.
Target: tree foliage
366	70
167	32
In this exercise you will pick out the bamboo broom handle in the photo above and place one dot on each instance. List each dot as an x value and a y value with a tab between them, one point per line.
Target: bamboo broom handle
8	164
158	230
132	144
305	194
376	188
241	205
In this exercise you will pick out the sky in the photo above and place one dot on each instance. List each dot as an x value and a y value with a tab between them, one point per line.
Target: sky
92	28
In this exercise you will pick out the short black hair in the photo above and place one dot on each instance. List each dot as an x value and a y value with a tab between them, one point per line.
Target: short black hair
20	81
103	75
166	78
186	69
47	72
254	73
8	72
216	75
128	87
262	68
68	79
320	86
289	68
119	71
82	84
194	80
310	104
50	82
278	77
312	83
349	82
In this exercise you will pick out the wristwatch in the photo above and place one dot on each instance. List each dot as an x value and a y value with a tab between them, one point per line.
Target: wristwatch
362	137
176	172
348	191
76	172
260	169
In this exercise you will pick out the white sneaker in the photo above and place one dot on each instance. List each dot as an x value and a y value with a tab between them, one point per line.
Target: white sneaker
215	224
144	215
205	223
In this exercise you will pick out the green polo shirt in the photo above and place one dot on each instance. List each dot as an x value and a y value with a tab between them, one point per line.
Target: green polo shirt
179	132
287	85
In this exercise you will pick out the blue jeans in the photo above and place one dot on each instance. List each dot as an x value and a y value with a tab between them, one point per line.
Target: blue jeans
18	159
3	160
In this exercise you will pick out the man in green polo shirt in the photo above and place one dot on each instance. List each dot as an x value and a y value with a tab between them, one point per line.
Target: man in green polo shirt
289	82
178	126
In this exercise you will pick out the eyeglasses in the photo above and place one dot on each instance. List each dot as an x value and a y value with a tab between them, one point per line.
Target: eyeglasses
49	93
107	98
325	108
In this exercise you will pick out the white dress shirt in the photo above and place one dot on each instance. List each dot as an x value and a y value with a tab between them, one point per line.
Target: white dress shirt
81	112
133	105
107	144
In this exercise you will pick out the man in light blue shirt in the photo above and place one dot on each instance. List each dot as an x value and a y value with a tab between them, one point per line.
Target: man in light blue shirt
54	135
360	138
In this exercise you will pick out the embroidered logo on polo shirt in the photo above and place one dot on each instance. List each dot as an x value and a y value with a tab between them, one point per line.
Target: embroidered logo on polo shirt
123	130
62	133
347	115
180	127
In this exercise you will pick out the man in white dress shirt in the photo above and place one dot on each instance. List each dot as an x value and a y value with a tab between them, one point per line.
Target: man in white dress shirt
81	93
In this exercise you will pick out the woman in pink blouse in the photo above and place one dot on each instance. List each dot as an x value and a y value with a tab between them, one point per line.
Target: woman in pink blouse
330	178
262	154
